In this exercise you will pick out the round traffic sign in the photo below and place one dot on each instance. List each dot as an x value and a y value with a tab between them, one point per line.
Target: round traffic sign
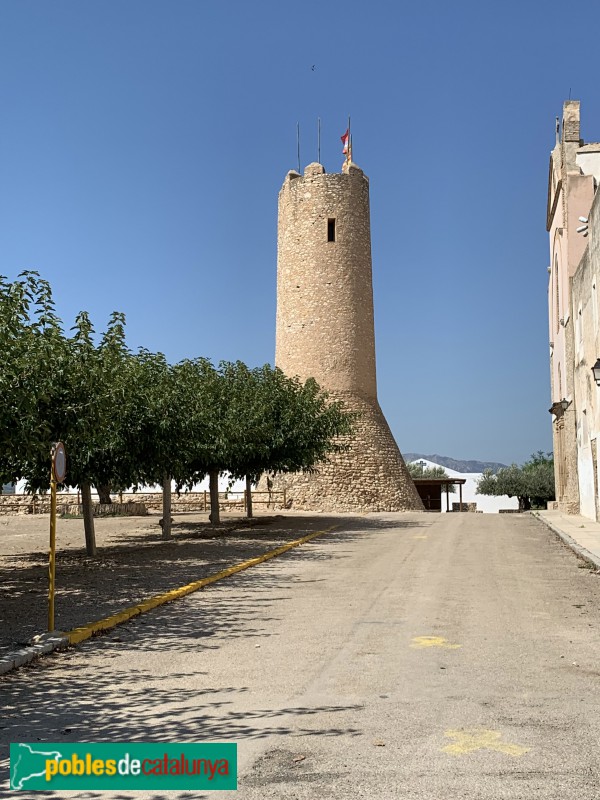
59	462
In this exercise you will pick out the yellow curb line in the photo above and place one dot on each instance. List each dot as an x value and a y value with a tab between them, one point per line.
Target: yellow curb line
86	631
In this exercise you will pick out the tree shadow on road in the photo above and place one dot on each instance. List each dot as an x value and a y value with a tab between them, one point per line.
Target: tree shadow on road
89	589
58	698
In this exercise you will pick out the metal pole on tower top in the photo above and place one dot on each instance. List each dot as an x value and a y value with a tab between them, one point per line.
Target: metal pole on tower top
349	155
318	140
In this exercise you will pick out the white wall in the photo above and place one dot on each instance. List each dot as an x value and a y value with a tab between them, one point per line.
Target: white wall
489	505
588	160
237	487
585	467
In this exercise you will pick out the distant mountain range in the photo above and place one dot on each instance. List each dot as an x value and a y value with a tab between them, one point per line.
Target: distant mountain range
456	464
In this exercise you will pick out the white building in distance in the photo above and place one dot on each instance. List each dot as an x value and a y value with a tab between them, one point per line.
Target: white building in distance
485	503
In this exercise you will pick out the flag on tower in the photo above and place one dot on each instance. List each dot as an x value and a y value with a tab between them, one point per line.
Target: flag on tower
346	142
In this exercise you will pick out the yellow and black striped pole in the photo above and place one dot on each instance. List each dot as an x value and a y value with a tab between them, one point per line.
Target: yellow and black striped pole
58	470
52	554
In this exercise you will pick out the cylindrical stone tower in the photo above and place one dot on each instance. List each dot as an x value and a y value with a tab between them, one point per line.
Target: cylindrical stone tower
325	330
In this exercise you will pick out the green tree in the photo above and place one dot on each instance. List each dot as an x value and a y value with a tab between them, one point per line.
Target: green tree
125	419
58	388
32	353
249	421
532	483
170	423
128	419
309	427
279	424
88	391
540	478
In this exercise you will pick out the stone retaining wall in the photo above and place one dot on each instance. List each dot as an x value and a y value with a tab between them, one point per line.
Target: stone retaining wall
470	507
107	509
135	503
35	504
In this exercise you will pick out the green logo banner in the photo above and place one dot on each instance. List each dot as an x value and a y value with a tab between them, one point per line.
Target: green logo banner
122	766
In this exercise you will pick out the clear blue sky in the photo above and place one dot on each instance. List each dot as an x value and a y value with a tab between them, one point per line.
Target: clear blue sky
143	145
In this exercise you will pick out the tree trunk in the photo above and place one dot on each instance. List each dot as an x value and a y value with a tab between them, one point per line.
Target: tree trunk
166	519
248	497
104	494
524	504
215	516
88	519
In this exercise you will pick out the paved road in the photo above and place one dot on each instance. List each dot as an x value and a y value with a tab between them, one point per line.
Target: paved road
402	656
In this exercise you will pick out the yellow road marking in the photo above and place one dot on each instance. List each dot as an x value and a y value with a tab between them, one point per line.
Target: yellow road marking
420	536
86	631
473	739
420	642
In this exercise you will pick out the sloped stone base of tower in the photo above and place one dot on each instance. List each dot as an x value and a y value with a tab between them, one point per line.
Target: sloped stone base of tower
370	476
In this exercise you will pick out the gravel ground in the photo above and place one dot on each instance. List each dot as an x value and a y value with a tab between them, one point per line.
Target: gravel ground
133	563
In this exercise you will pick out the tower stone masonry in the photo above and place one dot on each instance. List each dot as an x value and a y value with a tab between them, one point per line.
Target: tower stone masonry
325	330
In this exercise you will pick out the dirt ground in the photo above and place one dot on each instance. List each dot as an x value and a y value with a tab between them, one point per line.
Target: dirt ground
133	563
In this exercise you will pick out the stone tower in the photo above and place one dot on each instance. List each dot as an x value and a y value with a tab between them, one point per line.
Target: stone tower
325	330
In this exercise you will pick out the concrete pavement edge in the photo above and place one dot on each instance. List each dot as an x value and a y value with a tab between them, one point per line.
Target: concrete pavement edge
46	644
569	541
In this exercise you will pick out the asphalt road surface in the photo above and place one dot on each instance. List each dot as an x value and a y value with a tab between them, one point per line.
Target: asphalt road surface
399	656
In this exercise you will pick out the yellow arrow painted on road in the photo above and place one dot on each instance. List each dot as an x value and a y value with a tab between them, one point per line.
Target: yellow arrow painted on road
473	739
420	642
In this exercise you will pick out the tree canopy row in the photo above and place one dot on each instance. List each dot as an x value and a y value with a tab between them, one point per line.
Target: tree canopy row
532	484
130	418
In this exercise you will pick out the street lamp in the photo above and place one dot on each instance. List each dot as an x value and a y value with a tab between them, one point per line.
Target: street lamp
561	405
596	371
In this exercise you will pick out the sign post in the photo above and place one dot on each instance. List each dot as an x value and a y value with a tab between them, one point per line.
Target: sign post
57	475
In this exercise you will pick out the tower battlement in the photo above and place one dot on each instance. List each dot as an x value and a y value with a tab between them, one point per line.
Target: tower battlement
315	169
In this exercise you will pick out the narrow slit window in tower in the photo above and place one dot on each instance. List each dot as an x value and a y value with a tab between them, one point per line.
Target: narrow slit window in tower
331	230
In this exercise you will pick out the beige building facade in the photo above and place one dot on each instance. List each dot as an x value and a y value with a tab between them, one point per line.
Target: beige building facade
325	330
586	350
572	313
